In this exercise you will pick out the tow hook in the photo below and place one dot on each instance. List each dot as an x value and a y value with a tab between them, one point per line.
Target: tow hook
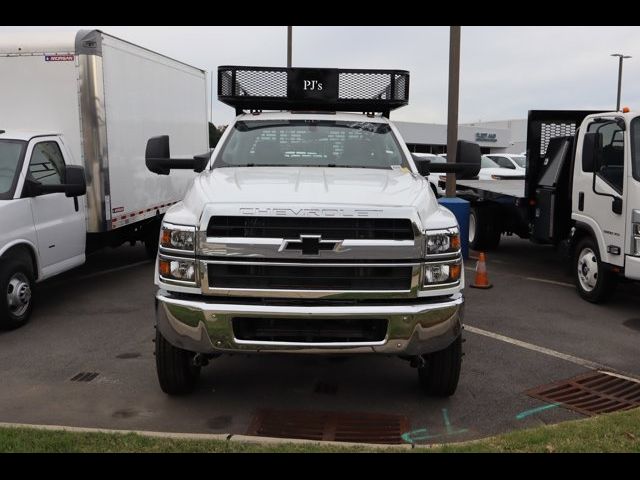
200	360
418	362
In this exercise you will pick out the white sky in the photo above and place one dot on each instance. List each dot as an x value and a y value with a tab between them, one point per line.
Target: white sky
505	71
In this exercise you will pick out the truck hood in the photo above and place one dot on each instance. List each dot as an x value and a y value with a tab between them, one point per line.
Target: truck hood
293	185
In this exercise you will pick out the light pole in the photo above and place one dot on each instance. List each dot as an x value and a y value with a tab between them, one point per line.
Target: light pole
621	57
289	47
452	113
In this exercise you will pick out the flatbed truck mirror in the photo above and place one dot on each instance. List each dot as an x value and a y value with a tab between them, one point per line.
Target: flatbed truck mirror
591	149
158	158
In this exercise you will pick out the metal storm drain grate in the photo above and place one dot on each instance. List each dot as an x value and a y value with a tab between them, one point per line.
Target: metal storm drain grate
591	393
335	426
84	377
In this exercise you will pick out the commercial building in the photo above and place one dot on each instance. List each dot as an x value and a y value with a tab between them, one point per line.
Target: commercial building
507	136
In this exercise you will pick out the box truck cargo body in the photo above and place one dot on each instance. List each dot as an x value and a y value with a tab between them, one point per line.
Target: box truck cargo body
100	98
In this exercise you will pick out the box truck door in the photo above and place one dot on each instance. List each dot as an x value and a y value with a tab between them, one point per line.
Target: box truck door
60	227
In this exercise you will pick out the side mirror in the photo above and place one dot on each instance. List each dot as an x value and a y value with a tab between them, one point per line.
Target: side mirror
422	164
158	158
616	205
468	154
75	184
591	151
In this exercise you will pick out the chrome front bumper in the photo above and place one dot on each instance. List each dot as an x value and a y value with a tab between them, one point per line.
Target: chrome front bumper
206	327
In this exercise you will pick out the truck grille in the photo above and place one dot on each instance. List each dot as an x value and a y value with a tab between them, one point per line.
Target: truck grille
309	277
328	228
310	330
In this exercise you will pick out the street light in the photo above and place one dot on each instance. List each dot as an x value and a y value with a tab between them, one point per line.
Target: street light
621	57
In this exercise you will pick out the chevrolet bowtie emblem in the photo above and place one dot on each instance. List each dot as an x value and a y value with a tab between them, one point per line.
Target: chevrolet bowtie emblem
309	244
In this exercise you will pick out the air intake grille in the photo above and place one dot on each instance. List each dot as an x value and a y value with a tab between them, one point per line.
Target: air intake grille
328	228
302	277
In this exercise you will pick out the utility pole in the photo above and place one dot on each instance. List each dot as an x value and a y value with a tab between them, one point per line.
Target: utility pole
452	113
289	47
621	57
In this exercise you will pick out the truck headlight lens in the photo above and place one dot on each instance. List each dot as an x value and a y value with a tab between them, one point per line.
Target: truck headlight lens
178	237
440	242
182	270
442	273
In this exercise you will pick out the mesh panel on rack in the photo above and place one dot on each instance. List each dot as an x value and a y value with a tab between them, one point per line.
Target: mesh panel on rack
552	130
274	88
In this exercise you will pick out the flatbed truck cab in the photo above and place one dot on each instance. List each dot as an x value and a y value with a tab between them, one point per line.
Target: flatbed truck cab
308	231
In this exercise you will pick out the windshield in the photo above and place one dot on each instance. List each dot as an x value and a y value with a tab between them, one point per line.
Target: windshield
521	160
310	143
635	148
486	162
11	152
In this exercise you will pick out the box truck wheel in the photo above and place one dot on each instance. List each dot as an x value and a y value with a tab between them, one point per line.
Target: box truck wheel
16	285
484	234
595	283
440	374
177	372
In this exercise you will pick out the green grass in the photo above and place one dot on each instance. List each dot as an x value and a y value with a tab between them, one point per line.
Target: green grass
617	432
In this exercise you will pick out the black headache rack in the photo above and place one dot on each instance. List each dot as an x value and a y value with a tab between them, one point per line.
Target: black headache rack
313	89
551	146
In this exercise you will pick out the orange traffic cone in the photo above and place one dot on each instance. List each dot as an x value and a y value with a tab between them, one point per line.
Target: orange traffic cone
482	279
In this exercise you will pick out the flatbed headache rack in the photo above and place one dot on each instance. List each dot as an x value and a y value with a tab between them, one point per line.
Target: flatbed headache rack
313	89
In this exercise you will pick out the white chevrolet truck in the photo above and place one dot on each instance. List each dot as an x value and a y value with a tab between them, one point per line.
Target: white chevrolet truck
310	230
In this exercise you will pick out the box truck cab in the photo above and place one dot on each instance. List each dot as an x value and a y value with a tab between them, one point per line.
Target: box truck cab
42	207
76	110
581	190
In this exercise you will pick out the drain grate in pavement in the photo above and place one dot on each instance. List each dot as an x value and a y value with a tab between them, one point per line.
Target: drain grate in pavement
84	376
335	426
591	393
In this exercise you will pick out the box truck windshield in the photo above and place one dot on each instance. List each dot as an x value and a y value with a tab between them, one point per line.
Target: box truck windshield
11	153
296	143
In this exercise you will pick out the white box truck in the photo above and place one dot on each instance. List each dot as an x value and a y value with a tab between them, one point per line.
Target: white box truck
76	110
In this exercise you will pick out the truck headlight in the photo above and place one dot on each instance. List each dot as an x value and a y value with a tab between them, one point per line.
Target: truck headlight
442	273
178	237
177	269
439	242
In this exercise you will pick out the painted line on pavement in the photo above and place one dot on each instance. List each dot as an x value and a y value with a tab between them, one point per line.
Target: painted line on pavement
552	282
113	270
546	351
533	411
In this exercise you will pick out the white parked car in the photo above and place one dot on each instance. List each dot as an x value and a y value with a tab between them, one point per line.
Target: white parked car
510	161
490	170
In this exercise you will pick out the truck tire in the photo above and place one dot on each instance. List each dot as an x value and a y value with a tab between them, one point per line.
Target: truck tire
441	372
484	234
594	282
177	373
16	285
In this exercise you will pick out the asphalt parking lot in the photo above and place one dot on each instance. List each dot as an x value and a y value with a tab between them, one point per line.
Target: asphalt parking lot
99	319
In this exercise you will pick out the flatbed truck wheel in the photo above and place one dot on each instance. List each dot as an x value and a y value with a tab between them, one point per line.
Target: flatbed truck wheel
594	282
177	372
16	287
440	374
484	234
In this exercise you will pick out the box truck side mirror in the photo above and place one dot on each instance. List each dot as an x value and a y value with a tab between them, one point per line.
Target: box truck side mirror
74	184
591	149
158	158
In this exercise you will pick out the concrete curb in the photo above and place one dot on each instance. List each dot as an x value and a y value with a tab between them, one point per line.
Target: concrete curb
229	437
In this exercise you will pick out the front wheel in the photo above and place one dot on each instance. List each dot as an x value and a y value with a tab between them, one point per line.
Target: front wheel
177	372
16	299
593	281
440	374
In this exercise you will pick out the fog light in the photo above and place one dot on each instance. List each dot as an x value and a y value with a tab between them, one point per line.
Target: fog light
180	270
442	273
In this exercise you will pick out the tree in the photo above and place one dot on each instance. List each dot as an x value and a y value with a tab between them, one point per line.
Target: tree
215	133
